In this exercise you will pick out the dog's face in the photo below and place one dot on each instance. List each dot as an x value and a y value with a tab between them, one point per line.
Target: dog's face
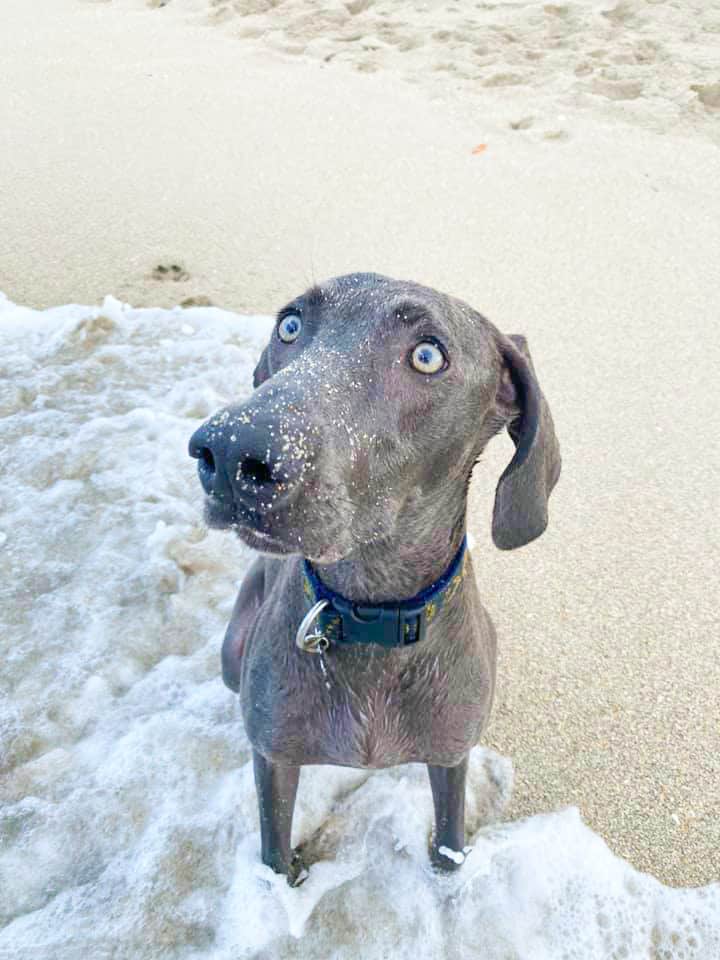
370	394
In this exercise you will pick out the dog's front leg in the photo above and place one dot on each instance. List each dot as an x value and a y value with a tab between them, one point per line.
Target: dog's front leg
448	790
276	786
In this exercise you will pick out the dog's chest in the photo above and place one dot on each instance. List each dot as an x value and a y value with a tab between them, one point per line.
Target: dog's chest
375	713
370	708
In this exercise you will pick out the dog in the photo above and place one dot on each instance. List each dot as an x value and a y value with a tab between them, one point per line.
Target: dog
358	637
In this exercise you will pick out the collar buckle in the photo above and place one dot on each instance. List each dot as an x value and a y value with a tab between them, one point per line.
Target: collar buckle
343	622
386	626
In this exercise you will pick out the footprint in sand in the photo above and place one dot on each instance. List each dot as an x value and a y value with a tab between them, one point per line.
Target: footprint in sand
523	124
357	6
504	80
556	135
708	94
172	272
618	89
199	301
622	14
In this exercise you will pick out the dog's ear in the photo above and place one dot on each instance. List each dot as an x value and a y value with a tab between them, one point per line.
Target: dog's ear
262	370
521	499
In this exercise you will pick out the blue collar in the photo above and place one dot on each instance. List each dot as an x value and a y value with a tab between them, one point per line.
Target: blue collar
344	623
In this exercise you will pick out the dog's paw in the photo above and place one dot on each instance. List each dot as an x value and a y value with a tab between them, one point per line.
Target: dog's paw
446	859
297	872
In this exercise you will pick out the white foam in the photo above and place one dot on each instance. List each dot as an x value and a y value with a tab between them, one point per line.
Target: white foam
128	825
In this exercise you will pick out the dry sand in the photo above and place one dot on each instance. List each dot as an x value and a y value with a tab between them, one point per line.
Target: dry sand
258	146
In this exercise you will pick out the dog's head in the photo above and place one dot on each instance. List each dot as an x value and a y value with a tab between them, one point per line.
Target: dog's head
373	393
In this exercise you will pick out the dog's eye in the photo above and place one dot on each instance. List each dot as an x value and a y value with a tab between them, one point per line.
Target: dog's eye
289	328
427	357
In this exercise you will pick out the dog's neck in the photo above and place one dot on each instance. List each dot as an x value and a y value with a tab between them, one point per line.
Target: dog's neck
397	566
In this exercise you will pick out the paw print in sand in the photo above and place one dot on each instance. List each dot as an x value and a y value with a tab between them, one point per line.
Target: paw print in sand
173	272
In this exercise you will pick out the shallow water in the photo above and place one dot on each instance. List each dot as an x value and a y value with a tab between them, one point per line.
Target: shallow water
128	825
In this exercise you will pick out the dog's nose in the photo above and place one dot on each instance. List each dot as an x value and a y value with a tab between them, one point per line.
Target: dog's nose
206	446
244	462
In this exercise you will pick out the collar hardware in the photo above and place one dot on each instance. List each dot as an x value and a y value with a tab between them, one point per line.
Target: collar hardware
312	642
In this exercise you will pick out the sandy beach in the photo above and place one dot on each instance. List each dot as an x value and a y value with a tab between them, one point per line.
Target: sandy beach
557	166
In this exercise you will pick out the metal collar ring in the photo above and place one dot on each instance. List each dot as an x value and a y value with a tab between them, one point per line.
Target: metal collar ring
312	642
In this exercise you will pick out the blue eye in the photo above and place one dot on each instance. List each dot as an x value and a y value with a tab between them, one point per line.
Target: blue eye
289	328
427	357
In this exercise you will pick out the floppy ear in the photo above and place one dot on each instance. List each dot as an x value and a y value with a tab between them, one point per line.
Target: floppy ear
262	370
521	499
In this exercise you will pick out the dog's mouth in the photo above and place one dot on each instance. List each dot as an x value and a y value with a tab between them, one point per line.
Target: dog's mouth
219	513
263	542
252	527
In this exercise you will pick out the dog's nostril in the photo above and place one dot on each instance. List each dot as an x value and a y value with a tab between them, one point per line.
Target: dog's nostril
208	459
255	471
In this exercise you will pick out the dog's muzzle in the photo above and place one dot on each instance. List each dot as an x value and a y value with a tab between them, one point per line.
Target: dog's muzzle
244	463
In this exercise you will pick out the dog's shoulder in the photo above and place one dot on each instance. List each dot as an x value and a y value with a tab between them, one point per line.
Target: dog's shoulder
262	587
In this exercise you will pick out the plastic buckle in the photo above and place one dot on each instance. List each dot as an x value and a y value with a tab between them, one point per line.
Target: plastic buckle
384	626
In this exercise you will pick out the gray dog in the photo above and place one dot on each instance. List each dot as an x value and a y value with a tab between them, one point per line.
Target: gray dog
358	638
